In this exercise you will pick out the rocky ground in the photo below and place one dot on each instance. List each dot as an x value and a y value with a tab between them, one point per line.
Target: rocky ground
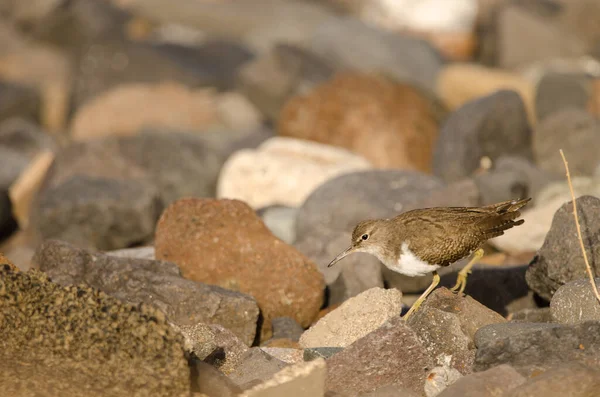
176	175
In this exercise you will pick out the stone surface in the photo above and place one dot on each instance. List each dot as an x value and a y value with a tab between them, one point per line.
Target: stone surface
348	43
392	354
539	350
354	318
255	365
230	349
157	283
440	377
391	124
446	324
78	341
491	126
286	327
199	339
576	132
493	332
211	382
494	382
560	91
568	379
459	83
575	302
223	242
255	175
280	220
390	391
312	353
25	137
138	252
560	259
18	100
286	354
300	380
536	315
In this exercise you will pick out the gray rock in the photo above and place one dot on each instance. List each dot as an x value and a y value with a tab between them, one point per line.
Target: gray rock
537	351
575	131
211	382
18	100
12	163
287	70
491	126
440	378
566	380
492	332
156	283
491	383
535	315
286	354
138	253
99	213
255	367
281	221
560	259
559	91
25	137
392	354
446	324
312	353
351	44
575	302
199	339
390	391
287	328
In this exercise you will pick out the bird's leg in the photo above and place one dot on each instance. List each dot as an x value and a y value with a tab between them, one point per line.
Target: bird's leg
461	280
415	306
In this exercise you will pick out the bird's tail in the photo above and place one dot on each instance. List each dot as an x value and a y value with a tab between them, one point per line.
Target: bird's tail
502	217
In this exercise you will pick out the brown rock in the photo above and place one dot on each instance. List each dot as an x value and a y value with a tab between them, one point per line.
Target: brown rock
392	354
4	261
255	366
391	124
491	383
446	324
223	242
212	382
230	349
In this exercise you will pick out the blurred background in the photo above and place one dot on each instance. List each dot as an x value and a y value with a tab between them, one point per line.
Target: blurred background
110	110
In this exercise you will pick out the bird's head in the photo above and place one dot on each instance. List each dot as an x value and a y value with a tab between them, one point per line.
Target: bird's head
368	236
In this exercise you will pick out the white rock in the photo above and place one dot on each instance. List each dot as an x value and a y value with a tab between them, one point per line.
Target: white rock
530	236
355	318
423	15
283	171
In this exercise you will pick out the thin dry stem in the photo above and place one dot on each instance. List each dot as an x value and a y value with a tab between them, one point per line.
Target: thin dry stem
585	258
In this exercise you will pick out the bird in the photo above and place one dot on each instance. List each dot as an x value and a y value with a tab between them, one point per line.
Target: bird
421	241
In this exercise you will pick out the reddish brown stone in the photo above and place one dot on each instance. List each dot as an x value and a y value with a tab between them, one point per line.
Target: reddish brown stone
223	242
391	124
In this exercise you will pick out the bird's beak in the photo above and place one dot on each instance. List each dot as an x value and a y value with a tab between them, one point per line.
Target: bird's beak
342	255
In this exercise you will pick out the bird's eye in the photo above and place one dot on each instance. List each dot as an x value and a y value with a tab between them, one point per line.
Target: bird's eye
365	236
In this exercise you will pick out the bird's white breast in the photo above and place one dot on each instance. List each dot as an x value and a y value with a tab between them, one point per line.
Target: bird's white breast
410	265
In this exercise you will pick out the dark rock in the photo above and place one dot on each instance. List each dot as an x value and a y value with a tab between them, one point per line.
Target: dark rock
99	213
535	315
12	163
77	341
577	133
287	70
566	380
230	349
575	302
312	353
511	177
19	101
351	44
491	383
212	382
537	351
558	91
157	283
25	137
392	354
446	324
560	259
286	327
255	366
492	126
492	332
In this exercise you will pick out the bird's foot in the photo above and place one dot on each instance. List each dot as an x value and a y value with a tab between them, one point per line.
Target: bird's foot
461	282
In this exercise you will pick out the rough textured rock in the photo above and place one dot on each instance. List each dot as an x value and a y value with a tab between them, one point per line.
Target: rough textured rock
391	124
223	242
577	133
199	339
539	350
255	366
568	380
440	377
254	175
78	341
446	324
312	353
351	44
560	259
491	126
211	382
99	213
491	383
392	354
230	349
157	283
535	315
493	332
286	327
575	302
286	354
354	318
300	380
